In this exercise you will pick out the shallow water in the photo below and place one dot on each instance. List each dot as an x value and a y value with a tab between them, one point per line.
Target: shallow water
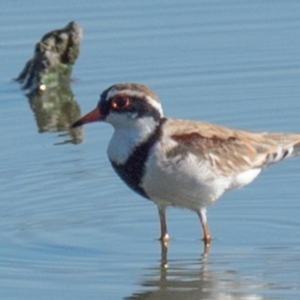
70	229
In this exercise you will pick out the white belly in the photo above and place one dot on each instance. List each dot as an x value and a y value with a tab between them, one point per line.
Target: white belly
185	182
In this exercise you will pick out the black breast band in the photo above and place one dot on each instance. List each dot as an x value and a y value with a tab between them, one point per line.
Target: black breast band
133	169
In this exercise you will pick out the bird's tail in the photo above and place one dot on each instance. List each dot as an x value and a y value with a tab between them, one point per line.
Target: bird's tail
287	145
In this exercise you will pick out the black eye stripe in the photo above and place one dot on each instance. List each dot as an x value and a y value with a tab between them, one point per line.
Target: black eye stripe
138	106
142	108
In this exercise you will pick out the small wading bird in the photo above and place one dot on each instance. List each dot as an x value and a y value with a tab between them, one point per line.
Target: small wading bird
181	163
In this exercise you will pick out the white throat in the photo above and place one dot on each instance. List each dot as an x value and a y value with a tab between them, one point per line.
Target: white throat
127	136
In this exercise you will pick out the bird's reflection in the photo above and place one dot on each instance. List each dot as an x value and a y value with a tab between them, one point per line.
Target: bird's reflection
189	280
55	110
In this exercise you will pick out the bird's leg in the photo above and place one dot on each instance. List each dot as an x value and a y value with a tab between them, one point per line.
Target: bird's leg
164	237
203	219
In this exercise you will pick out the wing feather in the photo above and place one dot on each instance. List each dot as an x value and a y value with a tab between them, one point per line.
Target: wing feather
230	151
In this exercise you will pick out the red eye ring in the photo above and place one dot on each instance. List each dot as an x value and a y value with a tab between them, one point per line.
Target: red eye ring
120	101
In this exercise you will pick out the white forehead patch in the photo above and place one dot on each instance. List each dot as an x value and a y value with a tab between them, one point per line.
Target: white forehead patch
153	102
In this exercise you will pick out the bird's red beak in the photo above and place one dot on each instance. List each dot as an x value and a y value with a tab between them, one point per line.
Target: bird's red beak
92	116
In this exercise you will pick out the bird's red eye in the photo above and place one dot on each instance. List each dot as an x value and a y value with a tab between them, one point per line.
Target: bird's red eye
120	101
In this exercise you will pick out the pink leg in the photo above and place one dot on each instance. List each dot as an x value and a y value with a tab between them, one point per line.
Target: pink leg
164	237
202	216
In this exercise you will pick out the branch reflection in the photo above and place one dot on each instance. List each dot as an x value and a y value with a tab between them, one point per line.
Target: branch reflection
55	110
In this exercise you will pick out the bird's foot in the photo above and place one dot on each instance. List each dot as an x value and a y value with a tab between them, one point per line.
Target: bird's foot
164	239
206	242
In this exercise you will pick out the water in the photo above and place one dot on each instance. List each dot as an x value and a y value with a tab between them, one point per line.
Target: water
70	229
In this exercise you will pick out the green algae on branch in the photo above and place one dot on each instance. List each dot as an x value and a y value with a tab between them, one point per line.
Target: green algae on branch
53	59
46	81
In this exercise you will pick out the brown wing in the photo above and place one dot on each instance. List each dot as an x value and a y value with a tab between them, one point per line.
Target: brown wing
229	150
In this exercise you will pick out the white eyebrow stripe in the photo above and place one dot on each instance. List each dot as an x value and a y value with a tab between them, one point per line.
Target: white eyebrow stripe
153	102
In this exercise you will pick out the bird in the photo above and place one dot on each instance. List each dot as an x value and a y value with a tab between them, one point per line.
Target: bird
181	163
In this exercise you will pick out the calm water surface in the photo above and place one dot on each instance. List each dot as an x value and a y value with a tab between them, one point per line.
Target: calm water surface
70	229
